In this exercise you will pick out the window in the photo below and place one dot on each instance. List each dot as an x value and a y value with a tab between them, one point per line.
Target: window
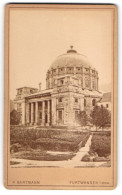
54	71
70	70
31	91
20	91
46	105
19	107
78	70
101	106
84	102
61	70
76	116
107	106
60	99
76	100
87	82
60	115
61	82
93	84
93	102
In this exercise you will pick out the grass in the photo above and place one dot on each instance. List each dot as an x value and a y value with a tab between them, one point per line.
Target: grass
54	140
36	142
101	144
14	163
42	156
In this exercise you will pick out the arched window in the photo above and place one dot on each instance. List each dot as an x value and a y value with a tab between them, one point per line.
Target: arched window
84	102
93	102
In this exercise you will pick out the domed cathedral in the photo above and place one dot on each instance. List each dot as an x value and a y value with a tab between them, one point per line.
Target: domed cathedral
71	87
75	84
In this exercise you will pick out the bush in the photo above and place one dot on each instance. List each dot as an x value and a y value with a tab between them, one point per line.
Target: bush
101	144
56	140
86	158
14	118
100	159
15	147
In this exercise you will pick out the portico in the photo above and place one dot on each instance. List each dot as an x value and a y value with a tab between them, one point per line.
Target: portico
38	112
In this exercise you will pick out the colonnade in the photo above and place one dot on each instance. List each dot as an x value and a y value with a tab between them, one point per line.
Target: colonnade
38	112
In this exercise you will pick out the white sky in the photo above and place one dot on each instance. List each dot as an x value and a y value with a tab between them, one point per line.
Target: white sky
37	37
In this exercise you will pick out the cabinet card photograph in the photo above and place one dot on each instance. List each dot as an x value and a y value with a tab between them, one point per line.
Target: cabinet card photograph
60	96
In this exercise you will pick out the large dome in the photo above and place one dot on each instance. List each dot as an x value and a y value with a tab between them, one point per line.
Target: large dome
71	58
73	69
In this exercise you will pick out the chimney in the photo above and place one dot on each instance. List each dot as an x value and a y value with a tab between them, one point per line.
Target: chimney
40	86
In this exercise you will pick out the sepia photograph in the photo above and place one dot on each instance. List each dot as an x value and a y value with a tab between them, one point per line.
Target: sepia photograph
61	102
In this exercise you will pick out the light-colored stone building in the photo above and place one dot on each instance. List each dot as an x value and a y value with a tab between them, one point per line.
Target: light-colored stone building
71	87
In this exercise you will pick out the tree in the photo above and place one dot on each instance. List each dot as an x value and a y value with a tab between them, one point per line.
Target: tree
14	118
100	117
82	118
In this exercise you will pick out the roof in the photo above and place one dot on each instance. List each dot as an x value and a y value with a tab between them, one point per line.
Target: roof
87	92
46	92
27	88
70	59
106	97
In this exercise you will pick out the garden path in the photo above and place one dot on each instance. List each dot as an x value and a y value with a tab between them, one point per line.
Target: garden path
83	151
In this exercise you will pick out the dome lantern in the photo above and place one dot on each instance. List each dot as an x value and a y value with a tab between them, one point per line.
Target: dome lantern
71	50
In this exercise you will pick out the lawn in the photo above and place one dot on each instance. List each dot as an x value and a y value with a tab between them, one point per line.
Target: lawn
33	143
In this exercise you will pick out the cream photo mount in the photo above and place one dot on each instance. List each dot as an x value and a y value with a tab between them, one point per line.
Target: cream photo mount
51	134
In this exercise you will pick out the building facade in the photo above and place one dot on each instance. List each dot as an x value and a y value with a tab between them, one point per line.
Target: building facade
71	87
105	101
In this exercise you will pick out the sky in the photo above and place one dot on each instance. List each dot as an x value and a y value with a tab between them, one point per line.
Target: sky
38	36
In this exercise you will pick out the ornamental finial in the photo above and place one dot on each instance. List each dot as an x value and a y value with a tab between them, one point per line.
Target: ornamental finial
71	46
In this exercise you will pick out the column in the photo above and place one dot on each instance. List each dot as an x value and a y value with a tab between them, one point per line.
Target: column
48	114
63	116
43	113
74	70
83	77
90	78
32	113
53	111
23	113
97	84
65	70
57	119
27	113
36	112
